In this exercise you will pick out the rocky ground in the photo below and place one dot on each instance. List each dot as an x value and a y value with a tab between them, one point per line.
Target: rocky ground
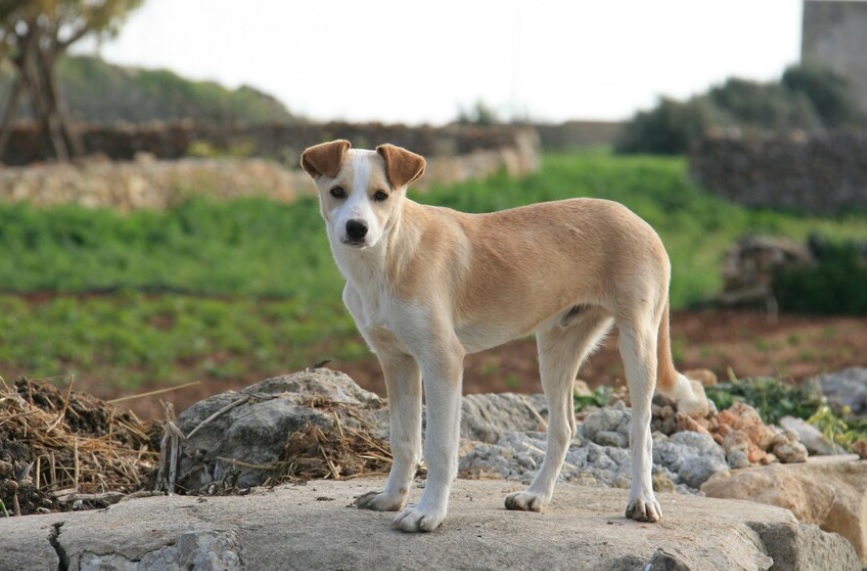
235	444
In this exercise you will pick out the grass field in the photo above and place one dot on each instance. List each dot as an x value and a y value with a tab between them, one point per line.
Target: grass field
247	288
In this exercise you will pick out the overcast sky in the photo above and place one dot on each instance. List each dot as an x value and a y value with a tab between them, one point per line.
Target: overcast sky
417	62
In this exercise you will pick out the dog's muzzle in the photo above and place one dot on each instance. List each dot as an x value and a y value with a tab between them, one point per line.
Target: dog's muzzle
356	232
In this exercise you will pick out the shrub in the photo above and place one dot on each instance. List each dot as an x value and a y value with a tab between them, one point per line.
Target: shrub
834	285
829	92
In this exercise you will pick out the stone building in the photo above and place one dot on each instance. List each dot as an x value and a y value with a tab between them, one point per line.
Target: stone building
834	35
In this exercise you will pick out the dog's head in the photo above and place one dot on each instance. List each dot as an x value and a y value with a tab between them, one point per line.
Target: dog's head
359	191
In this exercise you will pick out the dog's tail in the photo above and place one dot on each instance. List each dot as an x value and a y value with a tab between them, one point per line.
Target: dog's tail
689	394
666	374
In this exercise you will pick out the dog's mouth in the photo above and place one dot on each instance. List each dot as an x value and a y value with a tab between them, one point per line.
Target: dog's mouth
362	243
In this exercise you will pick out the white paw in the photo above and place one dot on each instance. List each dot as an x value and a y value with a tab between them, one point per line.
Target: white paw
380	502
414	519
525	501
644	508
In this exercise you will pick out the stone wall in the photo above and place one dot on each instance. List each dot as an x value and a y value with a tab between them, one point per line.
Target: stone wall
28	144
823	173
150	181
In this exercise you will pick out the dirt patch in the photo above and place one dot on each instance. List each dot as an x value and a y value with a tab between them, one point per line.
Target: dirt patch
792	347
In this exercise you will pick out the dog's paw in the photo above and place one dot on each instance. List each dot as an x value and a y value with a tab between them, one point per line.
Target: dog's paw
525	501
379	501
414	519
644	509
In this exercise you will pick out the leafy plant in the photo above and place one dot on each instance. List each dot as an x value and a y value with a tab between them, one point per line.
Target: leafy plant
772	398
601	396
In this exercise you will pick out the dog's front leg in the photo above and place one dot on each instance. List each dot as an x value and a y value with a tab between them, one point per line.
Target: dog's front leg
403	383
442	375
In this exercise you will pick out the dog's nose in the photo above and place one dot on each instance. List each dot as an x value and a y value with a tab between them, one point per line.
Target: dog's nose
356	229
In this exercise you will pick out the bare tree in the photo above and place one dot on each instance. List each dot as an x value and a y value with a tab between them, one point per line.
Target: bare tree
34	35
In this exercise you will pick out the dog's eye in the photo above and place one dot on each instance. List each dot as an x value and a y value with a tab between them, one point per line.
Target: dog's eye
380	196
338	192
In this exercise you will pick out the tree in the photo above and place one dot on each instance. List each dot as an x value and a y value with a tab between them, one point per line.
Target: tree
34	35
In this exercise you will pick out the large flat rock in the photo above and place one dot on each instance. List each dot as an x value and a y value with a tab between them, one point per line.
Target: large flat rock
314	527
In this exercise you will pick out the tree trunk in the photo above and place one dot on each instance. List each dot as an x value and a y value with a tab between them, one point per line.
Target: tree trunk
9	114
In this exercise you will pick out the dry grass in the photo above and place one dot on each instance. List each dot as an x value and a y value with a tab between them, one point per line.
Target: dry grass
65	449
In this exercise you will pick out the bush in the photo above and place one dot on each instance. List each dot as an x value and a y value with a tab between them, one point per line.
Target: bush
829	93
668	129
805	98
834	285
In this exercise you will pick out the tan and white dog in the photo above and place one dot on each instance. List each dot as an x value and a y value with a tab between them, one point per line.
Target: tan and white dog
428	285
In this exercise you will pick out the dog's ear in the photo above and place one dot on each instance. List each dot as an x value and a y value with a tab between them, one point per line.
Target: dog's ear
325	158
401	166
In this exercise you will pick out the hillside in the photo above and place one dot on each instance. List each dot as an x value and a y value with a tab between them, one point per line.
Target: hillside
100	92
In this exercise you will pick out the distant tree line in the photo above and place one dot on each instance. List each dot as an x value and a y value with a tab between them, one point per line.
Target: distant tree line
806	98
97	92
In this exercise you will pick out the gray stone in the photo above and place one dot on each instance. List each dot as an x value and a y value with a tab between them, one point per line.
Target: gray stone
310	527
692	456
607	420
811	437
237	435
805	547
488	417
846	388
195	551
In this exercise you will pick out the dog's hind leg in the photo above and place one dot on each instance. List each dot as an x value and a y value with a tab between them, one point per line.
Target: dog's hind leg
563	346
403	383
638	348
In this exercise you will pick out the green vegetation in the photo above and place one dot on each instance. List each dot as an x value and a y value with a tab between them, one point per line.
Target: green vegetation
99	92
834	285
214	289
805	98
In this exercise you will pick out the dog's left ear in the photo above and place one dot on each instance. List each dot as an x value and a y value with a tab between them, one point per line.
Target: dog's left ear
325	158
401	166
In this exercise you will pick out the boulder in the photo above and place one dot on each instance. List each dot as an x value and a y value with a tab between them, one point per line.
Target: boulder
846	388
310	527
831	493
240	436
487	417
811	437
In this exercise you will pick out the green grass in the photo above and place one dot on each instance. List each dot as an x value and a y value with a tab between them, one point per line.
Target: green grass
230	289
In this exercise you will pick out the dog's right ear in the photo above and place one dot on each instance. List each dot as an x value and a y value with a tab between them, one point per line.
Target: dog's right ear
325	158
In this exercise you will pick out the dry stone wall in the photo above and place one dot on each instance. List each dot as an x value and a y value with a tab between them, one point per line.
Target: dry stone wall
158	176
823	173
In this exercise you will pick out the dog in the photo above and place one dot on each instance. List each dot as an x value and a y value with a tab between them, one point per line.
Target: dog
428	285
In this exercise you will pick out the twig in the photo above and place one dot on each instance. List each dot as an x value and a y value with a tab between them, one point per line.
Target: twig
65	406
223	410
151	393
108	497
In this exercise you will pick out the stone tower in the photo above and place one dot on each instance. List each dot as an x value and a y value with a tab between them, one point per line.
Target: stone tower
834	35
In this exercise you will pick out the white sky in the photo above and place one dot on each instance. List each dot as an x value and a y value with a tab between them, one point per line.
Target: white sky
414	62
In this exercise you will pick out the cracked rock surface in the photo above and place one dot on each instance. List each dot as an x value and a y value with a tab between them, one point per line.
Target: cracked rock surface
312	527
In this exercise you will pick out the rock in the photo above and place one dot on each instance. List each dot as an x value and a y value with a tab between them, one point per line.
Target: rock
846	388
787	448
488	417
692	456
805	547
310	527
747	440
255	425
831	493
683	461
601	426
810	436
